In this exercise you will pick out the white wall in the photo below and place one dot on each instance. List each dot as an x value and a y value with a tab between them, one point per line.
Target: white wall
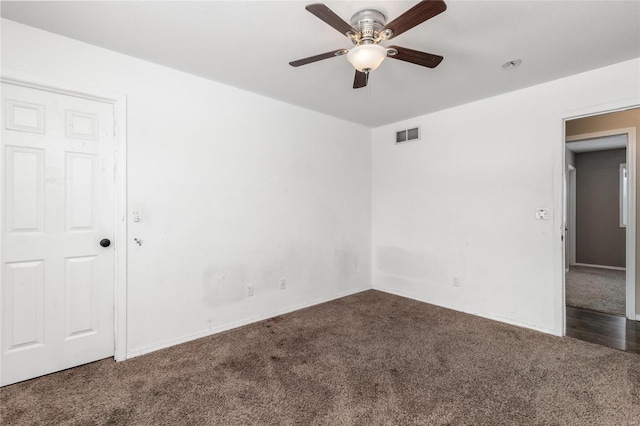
461	202
236	188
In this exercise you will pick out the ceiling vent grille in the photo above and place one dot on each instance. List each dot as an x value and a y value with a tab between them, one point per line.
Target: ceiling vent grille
408	135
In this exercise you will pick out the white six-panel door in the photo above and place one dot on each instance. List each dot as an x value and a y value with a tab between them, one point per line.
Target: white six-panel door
57	294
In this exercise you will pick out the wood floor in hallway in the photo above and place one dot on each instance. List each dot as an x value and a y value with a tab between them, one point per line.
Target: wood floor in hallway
604	329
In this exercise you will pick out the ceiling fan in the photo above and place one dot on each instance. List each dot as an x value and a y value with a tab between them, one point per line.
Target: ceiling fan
367	29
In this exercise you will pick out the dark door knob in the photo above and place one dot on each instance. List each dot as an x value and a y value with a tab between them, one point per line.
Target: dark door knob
105	242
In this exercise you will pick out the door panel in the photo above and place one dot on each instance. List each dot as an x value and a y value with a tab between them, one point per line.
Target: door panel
81	191
24	189
24	304
57	295
24	116
81	282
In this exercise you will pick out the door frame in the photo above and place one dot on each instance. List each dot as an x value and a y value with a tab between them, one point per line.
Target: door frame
559	176
119	102
630	255
570	215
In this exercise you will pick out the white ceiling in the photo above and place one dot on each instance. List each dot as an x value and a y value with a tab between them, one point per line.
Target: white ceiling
249	45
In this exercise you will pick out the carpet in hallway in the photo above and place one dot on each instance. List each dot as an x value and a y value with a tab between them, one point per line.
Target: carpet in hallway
596	289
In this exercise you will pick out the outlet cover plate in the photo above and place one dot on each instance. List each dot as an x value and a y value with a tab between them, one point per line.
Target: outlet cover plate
542	213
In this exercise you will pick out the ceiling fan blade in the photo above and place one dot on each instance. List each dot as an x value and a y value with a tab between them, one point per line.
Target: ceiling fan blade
416	57
419	13
317	58
361	79
328	16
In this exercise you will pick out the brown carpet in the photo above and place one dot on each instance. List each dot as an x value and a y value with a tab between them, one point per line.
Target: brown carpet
596	289
367	359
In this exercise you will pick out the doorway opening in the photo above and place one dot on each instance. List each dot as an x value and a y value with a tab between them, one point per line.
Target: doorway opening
596	213
599	212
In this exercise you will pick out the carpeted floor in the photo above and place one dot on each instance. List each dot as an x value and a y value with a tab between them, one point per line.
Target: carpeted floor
368	359
596	289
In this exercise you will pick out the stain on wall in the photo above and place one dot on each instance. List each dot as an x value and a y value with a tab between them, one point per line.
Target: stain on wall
400	262
224	285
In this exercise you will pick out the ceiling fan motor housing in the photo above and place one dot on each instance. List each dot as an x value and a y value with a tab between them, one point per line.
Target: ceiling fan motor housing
368	22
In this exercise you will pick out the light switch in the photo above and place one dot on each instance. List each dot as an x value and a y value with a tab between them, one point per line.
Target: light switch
136	216
542	213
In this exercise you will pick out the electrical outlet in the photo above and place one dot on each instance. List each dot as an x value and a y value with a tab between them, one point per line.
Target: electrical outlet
456	282
249	290
283	283
542	213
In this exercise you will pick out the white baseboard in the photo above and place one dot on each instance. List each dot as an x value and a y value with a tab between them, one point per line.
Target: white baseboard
168	343
498	318
615	268
637	317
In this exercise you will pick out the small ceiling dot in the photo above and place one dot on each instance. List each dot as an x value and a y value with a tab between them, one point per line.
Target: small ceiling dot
512	64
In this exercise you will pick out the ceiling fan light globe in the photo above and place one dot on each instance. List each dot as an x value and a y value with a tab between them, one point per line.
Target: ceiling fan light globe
366	57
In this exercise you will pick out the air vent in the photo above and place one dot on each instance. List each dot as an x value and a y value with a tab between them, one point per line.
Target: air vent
408	135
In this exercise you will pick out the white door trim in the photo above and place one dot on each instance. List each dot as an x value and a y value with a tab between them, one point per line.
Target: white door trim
119	102
572	216
559	175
